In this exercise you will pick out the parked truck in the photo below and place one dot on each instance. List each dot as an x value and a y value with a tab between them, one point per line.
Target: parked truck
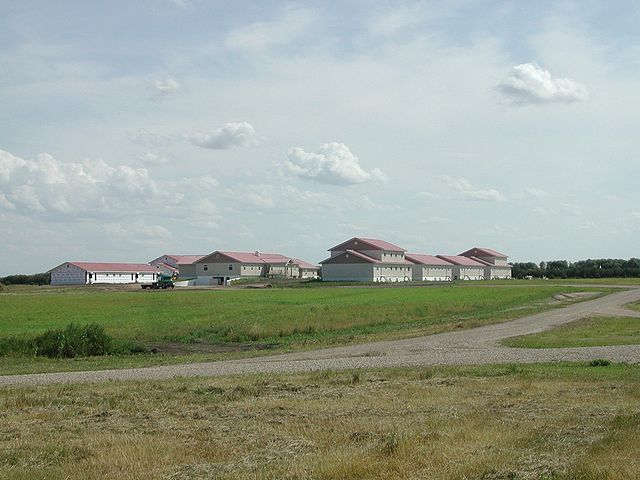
163	281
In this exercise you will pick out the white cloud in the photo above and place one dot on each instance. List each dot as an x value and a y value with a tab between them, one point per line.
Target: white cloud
530	83
234	134
157	158
531	193
164	87
293	23
470	192
333	164
94	189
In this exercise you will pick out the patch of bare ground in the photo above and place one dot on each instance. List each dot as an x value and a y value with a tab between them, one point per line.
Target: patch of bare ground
574	296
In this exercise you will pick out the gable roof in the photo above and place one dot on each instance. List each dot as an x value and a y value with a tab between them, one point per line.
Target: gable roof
112	267
354	253
372	242
461	260
482	252
303	264
422	259
254	257
188	259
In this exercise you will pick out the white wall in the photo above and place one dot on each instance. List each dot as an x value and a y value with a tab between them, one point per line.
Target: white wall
426	273
358	272
468	273
68	274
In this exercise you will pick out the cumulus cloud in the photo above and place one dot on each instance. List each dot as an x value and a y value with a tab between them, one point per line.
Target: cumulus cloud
164	87
333	164
234	134
47	185
94	189
530	83
466	190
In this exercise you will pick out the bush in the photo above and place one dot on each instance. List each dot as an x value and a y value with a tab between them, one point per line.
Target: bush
600	362
73	341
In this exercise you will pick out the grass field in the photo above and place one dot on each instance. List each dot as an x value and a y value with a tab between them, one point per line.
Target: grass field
495	422
589	332
281	319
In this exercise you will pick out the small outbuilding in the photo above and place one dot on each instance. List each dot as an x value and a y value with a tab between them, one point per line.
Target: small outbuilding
86	273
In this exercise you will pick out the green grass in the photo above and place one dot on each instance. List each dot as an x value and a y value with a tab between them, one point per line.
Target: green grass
283	319
552	421
588	332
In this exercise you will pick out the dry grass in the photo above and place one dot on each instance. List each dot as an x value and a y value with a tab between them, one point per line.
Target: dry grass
555	422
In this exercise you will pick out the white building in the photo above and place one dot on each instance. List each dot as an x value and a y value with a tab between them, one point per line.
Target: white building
465	268
496	264
368	260
85	273
219	268
430	268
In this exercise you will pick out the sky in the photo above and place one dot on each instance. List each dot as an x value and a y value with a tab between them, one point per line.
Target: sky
129	130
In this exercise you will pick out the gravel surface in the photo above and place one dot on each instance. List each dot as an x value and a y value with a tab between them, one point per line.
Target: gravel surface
465	347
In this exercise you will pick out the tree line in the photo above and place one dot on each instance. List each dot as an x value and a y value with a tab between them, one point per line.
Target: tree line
599	268
20	279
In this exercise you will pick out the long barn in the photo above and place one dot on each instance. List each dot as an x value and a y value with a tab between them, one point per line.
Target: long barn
86	273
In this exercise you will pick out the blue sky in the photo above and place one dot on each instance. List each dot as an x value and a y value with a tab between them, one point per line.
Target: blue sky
133	129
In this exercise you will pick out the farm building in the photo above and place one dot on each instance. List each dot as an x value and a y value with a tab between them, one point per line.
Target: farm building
218	268
367	259
496	262
430	268
85	273
177	265
465	268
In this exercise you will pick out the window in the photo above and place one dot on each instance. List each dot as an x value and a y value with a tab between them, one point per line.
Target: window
230	266
205	267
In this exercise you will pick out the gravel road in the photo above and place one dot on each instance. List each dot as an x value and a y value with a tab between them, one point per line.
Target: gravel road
465	347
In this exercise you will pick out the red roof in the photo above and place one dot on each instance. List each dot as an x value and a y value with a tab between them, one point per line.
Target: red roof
482	252
369	259
303	264
187	259
258	257
460	260
114	267
422	259
373	242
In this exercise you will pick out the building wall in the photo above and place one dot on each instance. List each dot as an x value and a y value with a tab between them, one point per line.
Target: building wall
308	273
392	273
463	272
358	272
68	274
121	277
187	270
498	273
391	257
424	273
